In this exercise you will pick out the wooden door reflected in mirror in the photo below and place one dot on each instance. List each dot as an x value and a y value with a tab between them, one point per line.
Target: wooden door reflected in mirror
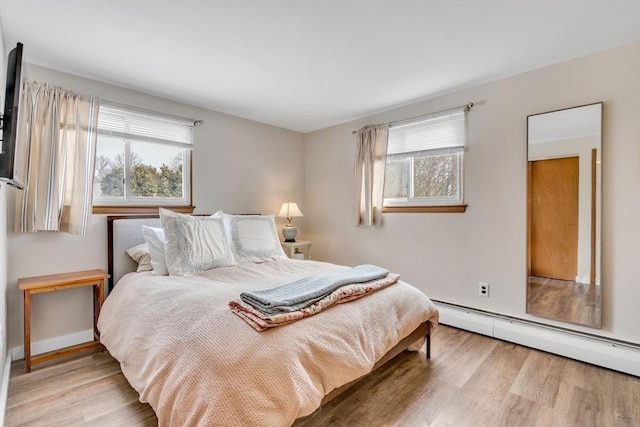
564	215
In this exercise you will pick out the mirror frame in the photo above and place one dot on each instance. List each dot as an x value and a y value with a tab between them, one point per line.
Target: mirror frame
595	228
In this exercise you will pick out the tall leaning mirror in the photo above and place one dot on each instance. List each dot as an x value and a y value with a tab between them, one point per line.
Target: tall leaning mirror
564	215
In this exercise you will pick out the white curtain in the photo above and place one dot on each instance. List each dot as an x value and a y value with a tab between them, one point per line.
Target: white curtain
371	158
61	133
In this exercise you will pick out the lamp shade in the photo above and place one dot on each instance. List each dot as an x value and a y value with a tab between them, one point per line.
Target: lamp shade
289	210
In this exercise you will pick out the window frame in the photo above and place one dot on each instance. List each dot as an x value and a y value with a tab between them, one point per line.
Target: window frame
411	203
140	205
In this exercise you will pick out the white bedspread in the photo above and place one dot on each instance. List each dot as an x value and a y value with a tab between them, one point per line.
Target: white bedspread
198	364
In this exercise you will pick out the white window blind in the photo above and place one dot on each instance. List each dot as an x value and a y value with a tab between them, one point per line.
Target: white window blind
440	131
128	123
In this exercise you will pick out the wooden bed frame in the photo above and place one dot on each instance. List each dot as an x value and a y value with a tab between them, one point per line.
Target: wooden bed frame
424	330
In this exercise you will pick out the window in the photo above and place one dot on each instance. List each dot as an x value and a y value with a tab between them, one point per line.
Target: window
425	161
142	158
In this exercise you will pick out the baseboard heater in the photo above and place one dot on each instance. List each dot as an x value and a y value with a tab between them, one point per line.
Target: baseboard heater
613	354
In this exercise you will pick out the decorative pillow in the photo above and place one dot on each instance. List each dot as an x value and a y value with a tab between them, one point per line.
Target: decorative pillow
194	244
155	241
253	238
140	254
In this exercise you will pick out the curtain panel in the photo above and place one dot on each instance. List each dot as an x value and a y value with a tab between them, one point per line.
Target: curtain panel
371	158
61	135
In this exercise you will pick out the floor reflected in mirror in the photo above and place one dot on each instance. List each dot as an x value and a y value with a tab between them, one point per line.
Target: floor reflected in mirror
564	300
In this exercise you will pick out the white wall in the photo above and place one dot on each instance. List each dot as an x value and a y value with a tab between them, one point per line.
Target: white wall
3	274
446	255
3	229
238	166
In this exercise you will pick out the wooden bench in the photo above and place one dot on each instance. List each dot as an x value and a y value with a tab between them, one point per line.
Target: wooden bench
57	282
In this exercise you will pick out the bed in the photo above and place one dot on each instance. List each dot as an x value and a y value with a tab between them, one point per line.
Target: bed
197	363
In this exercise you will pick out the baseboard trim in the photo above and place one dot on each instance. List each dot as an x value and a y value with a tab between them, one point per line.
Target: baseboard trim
4	388
617	355
51	344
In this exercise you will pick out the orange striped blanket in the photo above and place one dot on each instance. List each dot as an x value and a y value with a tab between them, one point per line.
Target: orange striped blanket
261	322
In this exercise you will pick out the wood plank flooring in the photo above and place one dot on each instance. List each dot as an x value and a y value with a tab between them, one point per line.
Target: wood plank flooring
471	380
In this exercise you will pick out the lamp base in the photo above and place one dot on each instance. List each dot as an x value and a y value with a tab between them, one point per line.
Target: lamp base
289	233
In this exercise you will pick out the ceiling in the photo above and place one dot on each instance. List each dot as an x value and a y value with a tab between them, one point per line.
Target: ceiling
571	123
306	65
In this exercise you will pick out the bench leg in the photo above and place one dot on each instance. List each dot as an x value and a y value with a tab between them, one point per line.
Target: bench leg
27	330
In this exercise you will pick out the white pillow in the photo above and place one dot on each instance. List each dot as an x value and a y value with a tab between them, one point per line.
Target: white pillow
155	241
140	254
253	238
194	244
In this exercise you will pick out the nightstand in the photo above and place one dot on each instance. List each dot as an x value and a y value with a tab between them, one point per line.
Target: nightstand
58	282
298	246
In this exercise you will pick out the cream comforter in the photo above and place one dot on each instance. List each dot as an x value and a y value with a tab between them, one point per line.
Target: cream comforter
198	364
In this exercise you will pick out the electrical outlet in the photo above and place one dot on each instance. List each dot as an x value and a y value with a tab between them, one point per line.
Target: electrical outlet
483	289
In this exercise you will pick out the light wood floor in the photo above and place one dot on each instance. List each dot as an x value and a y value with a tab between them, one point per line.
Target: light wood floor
471	380
564	300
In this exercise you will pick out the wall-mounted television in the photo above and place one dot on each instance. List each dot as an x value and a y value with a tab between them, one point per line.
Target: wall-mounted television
17	109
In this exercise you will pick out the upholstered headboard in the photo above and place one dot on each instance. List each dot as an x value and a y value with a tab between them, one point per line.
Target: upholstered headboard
125	232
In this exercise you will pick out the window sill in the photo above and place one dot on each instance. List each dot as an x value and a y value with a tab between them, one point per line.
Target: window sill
425	209
134	210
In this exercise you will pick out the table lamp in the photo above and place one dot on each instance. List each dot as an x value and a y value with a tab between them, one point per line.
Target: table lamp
289	210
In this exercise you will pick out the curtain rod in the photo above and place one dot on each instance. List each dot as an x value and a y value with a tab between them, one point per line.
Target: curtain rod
467	107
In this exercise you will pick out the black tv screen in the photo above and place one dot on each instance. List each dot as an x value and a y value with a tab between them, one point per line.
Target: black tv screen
17	105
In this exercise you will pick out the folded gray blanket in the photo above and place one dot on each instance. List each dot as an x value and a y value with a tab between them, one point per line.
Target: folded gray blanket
303	292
